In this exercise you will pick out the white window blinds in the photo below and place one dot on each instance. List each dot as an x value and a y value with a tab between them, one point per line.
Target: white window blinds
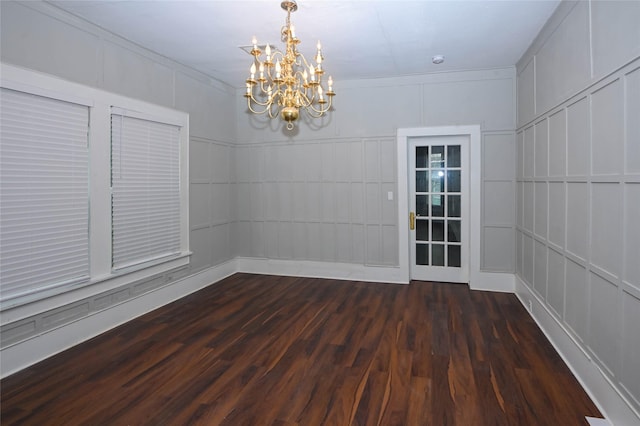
145	180
44	198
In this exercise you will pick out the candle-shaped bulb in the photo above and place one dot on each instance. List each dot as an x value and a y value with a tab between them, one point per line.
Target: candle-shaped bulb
312	73
330	83
254	41
293	31
320	92
319	46
268	51
305	75
319	58
253	70
278	69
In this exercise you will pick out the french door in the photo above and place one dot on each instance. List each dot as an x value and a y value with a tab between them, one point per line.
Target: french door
439	208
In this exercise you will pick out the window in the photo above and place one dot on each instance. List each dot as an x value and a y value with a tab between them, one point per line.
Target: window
145	185
93	189
44	194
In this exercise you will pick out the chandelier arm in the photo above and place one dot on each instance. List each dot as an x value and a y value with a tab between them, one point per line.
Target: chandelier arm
270	66
305	101
276	55
301	60
253	110
268	110
306	66
310	110
304	82
274	87
274	94
311	96
277	95
271	114
257	102
322	110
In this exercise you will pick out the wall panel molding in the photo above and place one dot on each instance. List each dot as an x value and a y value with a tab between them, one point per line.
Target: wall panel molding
614	405
578	280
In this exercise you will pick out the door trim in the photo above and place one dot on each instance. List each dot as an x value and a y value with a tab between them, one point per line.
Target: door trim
475	188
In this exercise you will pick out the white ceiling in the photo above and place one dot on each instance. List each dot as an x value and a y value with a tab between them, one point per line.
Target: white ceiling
360	39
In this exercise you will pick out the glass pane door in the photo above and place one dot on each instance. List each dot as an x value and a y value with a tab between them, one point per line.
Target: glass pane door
436	198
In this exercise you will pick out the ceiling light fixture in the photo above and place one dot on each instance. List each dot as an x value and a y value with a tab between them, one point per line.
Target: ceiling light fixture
286	82
438	59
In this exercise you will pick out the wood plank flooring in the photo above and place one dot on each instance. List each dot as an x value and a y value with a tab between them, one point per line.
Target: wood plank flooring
267	350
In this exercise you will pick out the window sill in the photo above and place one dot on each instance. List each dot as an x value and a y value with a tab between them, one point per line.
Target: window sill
30	304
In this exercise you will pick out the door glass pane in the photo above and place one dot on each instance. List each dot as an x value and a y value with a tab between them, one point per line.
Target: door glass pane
422	205
438	255
437	157
422	229
453	253
422	254
422	154
437	181
437	230
453	231
422	181
453	156
437	205
453	205
453	181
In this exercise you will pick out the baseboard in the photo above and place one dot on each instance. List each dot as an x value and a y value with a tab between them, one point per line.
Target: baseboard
21	355
481	280
330	270
611	403
493	281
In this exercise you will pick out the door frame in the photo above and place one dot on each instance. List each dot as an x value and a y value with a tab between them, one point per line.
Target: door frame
474	185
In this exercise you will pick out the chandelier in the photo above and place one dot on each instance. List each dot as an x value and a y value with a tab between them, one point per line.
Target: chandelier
284	83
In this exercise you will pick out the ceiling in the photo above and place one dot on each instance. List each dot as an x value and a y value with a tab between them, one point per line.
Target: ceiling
360	38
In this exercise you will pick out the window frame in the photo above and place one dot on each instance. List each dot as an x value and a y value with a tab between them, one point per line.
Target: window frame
101	103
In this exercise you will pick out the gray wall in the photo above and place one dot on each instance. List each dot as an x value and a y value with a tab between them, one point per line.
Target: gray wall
40	37
255	191
43	38
578	173
322	194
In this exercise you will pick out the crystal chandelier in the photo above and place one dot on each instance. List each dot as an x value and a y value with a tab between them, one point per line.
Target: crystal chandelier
286	82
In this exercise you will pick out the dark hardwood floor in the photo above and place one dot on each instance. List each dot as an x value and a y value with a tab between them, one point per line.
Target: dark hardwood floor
265	350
